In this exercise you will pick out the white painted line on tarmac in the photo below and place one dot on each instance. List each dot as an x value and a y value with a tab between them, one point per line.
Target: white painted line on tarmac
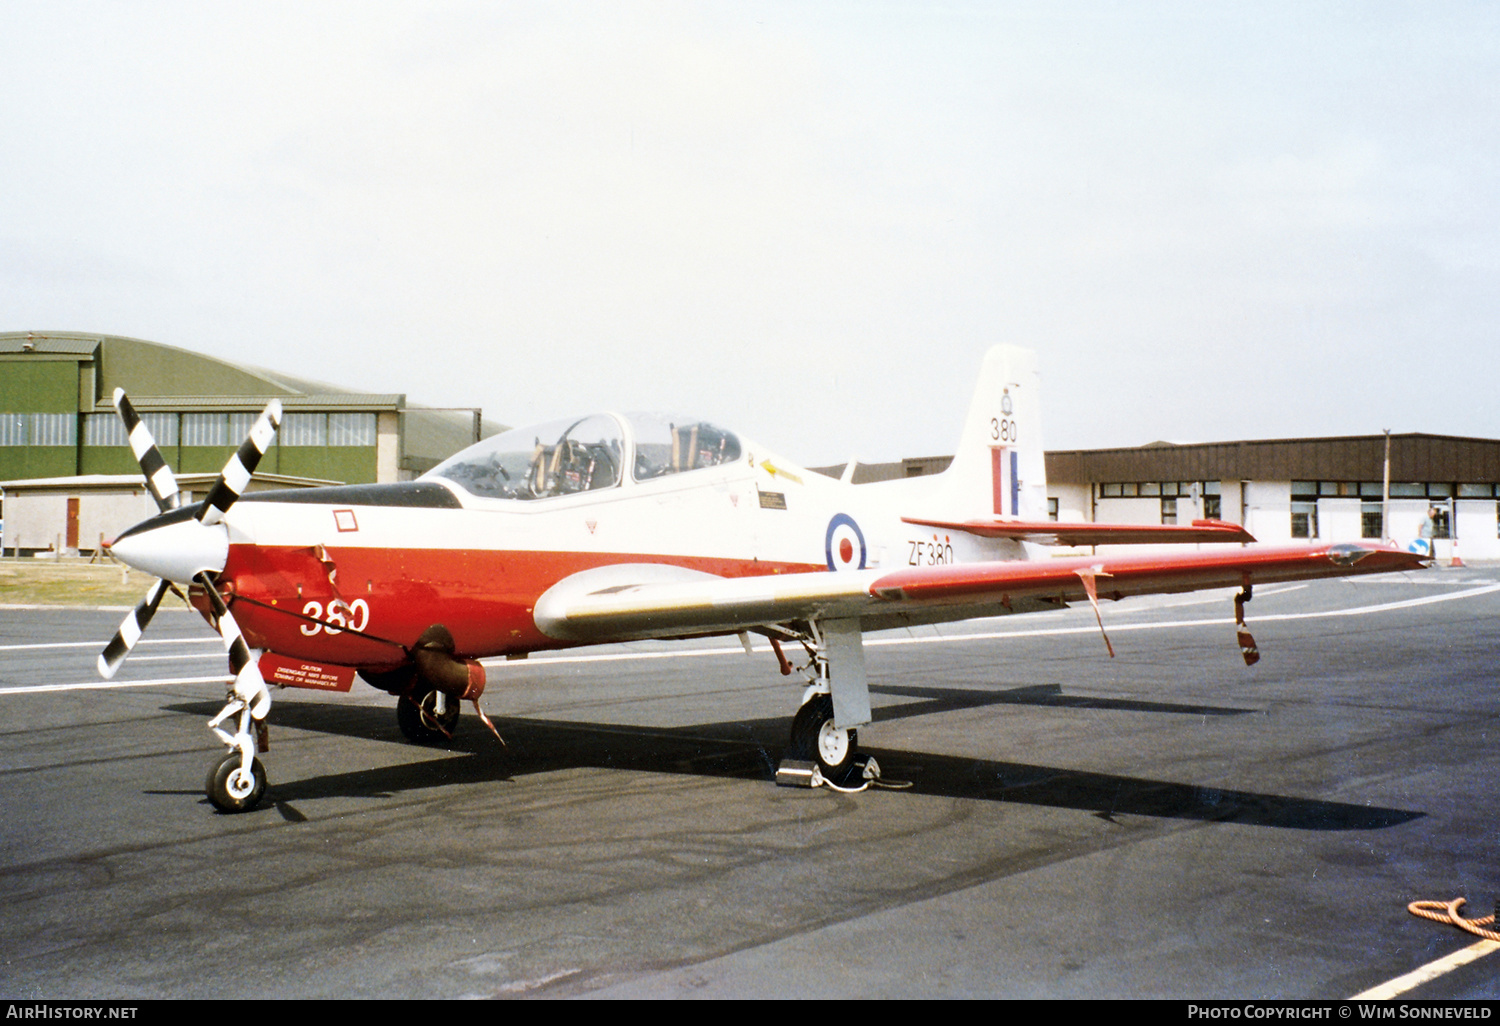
1431	971
105	685
101	644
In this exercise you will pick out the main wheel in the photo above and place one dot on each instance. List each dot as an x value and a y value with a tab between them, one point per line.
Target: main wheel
233	790
422	723
816	739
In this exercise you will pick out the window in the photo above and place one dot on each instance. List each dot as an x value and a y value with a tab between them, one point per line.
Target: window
1052	509
104	429
351	429
1304	520
205	429
13	428
664	445
38	429
304	429
335	429
1169	511
1371	520
240	425
163	427
54	429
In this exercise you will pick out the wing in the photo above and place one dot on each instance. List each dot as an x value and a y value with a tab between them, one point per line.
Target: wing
666	602
1055	533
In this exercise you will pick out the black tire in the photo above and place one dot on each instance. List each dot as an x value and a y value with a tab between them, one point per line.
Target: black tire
228	792
421	724
814	738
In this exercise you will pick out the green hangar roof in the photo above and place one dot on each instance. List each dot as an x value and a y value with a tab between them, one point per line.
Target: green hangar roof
57	417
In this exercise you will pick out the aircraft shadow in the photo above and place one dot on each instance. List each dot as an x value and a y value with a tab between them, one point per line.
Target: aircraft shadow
1048	695
751	750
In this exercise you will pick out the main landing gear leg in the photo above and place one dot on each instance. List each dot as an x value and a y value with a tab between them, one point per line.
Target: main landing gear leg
824	743
427	716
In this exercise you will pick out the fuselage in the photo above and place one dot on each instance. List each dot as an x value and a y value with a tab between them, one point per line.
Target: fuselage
353	575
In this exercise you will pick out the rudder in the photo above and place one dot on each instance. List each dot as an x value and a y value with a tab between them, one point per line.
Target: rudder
999	469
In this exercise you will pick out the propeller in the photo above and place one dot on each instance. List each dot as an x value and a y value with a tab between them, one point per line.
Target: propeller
183	548
159	476
130	630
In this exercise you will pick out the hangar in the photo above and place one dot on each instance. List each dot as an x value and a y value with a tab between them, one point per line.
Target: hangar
66	469
1328	489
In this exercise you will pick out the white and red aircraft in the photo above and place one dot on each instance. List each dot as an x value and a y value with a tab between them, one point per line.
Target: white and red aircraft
613	528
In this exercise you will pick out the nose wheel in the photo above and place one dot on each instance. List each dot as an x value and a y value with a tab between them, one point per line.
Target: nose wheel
232	787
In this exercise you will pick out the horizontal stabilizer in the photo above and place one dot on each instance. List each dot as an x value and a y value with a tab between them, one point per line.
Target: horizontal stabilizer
1051	532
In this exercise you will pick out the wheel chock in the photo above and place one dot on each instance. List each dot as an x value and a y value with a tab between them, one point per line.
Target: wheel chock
797	773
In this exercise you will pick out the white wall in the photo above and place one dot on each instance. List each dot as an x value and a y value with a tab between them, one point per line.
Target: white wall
37	519
1268	510
1338	520
1478	535
1072	501
1130	511
34	521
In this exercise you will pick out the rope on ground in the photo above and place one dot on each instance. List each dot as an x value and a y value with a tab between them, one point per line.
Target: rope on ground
1447	912
869	776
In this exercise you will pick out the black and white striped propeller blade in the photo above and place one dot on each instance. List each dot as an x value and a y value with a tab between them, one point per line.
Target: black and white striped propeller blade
240	661
241	465
130	631
159	477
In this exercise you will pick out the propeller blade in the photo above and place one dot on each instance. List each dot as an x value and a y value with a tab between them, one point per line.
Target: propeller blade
241	465
159	476
130	631
248	683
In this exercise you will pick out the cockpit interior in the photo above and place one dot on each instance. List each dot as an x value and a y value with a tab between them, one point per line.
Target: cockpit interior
587	454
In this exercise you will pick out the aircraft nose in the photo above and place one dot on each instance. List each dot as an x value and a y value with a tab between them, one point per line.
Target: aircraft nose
174	546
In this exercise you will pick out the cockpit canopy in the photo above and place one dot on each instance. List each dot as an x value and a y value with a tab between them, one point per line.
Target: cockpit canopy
564	457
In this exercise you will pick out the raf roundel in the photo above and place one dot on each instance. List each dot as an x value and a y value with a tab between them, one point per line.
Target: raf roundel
844	545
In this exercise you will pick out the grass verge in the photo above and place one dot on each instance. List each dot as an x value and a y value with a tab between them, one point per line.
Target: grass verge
47	582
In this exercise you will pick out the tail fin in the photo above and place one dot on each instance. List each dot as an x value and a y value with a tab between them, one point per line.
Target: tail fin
1000	468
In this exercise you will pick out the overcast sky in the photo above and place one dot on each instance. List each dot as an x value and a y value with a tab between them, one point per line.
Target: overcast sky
805	220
